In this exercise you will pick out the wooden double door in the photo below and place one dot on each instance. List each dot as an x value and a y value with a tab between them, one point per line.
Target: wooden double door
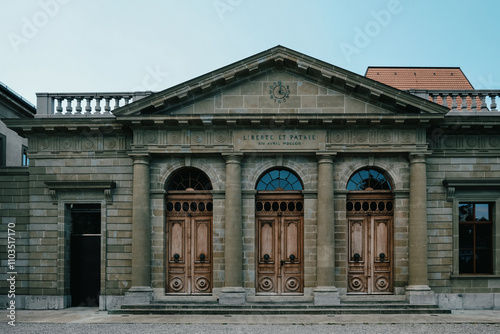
370	243
280	230
189	242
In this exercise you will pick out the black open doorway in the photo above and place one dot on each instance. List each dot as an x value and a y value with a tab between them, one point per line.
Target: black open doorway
85	254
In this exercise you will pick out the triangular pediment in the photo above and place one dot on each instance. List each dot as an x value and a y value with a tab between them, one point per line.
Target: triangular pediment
281	81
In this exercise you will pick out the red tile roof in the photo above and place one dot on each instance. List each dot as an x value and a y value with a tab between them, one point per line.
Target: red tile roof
427	78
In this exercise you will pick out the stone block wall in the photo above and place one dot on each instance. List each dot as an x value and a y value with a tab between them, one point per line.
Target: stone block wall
440	221
95	157
14	215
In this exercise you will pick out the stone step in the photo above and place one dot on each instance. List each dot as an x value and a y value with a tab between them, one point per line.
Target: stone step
246	310
380	299
203	300
279	300
249	306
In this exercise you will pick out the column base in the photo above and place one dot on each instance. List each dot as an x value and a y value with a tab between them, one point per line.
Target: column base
326	296
232	296
420	295
139	295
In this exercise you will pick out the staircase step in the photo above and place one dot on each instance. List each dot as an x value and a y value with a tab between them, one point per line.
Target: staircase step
381	299
385	306
264	305
278	311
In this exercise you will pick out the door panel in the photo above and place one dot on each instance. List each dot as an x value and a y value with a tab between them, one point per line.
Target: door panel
291	268
382	257
267	274
357	271
370	254
189	244
291	239
177	268
202	255
267	235
280	244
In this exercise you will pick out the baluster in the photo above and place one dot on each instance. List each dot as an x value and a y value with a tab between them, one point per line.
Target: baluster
78	105
59	108
126	98
69	108
473	105
107	108
482	97
454	105
444	97
464	101
493	106
97	105
431	97
117	102
88	108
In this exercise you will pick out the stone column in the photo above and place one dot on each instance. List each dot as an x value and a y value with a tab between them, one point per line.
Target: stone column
325	293
141	291
233	292
418	290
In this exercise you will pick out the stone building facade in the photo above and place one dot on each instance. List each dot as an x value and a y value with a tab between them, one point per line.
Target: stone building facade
277	177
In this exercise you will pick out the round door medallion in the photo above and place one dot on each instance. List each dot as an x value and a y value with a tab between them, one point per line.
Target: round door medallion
279	92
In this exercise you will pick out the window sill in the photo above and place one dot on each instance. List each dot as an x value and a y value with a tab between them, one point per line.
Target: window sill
474	276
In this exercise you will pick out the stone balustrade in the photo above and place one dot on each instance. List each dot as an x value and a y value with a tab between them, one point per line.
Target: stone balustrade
83	104
102	104
462	100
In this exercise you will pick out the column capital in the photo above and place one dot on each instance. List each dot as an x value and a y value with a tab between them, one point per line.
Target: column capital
325	157
233	158
140	158
418	157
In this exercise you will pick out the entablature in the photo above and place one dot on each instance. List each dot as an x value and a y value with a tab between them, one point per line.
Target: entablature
295	140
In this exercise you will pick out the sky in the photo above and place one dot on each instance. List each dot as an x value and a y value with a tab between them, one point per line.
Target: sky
70	46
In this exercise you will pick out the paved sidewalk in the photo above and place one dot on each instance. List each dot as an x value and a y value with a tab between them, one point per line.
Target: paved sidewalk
80	315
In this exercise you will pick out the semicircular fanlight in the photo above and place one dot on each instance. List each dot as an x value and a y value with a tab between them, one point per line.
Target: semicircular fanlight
189	179
279	179
368	179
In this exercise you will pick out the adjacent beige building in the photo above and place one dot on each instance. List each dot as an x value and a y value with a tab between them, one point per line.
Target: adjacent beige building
279	176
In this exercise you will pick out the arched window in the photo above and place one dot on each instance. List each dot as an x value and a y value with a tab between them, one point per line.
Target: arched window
368	179
279	179
189	179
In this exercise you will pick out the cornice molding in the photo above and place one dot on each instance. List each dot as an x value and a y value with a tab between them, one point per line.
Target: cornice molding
469	183
56	186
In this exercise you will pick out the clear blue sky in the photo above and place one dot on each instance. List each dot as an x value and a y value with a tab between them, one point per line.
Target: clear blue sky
120	45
